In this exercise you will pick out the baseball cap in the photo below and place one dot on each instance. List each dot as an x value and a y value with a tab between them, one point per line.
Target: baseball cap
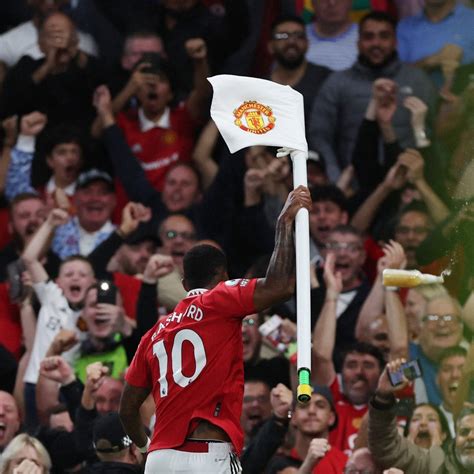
325	392
92	175
108	434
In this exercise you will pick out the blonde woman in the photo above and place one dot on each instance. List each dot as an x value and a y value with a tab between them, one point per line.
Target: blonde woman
25	455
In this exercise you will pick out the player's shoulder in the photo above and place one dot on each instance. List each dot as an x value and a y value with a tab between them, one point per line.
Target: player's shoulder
234	283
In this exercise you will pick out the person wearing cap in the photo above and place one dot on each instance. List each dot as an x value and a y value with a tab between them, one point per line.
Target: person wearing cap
115	450
311	451
94	202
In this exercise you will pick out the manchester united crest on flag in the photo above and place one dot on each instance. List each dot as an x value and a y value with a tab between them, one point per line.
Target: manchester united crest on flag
254	117
250	111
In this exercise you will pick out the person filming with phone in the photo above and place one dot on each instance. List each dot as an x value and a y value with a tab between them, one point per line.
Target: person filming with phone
391	450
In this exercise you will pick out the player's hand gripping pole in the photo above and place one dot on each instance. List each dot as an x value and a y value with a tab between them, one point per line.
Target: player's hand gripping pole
303	288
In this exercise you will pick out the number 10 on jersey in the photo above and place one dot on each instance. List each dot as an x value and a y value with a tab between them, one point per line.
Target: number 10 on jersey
161	353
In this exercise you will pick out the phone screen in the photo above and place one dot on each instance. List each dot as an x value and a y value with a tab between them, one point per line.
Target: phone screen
411	370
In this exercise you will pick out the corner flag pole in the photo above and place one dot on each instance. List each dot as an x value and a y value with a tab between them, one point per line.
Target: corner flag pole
303	286
250	111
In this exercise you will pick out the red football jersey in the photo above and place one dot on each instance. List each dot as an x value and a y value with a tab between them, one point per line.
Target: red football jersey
349	418
159	148
192	362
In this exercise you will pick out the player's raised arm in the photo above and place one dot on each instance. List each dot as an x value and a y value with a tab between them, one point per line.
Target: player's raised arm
279	282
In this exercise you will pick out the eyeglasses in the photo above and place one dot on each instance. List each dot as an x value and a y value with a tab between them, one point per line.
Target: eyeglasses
249	322
172	234
446	318
285	35
416	230
351	247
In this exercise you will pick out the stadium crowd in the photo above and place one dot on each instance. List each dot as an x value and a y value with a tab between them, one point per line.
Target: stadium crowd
111	170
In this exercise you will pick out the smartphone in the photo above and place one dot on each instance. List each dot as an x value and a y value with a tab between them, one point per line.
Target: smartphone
16	287
411	370
154	60
107	292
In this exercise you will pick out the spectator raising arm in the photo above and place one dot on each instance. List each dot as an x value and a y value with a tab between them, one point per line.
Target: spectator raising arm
385	443
9	126
19	171
394	180
126	166
54	373
373	307
38	245
271	434
324	335
202	154
198	98
414	163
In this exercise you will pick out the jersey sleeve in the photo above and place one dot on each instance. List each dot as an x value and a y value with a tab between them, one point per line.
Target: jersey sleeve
233	298
139	373
46	291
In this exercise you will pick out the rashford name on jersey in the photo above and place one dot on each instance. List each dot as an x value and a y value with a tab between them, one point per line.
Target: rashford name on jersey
192	312
192	362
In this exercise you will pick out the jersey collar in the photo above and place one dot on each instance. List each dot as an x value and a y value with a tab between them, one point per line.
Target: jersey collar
196	291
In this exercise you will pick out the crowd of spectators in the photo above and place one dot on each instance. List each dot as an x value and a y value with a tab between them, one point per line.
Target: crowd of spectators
111	170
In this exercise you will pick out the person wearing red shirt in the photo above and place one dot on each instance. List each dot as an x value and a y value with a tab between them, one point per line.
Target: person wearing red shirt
192	361
158	134
361	365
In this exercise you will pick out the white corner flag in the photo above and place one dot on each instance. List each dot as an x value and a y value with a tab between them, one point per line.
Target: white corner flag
250	111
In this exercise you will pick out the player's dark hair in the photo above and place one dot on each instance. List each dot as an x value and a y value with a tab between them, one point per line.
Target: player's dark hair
202	264
380	17
330	193
364	348
287	19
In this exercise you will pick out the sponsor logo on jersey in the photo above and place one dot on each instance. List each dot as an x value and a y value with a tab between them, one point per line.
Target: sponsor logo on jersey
232	282
254	117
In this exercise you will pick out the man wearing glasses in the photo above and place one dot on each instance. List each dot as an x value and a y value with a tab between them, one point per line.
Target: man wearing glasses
178	235
441	328
288	46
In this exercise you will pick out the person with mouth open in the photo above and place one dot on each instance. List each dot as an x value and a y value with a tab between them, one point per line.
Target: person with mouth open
451	364
61	301
62	147
427	426
392	450
361	365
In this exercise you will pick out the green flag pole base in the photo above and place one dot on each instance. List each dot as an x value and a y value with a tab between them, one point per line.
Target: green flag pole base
304	390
